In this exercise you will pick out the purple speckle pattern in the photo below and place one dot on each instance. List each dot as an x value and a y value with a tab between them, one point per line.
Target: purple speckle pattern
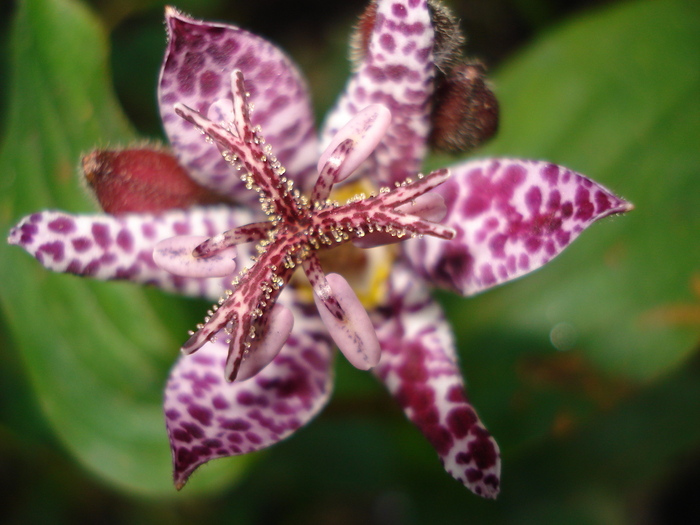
398	72
208	417
196	72
511	217
106	247
419	368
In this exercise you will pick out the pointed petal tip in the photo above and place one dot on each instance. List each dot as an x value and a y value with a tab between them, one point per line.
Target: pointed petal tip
618	206
551	206
173	14
485	491
625	207
13	235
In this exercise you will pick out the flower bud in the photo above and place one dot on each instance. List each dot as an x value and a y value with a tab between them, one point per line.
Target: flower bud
465	110
141	180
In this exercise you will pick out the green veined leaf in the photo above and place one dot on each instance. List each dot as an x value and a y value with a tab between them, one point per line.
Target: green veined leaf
97	354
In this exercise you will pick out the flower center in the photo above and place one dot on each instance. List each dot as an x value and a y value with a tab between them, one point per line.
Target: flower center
298	230
366	270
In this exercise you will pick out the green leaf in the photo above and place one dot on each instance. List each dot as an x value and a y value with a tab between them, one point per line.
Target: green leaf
614	96
97	354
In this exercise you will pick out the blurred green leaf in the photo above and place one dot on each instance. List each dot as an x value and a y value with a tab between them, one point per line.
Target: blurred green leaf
614	96
97	372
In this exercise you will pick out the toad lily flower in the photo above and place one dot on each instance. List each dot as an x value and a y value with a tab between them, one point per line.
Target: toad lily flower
260	365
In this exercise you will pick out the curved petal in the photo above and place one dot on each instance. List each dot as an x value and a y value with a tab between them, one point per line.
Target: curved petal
419	368
397	71
196	72
107	247
511	216
209	418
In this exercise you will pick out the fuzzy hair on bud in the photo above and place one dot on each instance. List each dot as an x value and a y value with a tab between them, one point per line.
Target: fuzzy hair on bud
142	179
465	113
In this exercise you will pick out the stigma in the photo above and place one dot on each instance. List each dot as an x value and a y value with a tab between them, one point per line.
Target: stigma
295	230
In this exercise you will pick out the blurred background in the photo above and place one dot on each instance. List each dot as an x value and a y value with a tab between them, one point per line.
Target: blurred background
587	372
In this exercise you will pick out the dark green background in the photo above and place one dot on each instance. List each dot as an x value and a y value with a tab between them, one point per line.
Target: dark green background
602	430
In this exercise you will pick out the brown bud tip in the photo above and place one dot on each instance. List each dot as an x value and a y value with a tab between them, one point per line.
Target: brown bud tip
465	110
448	36
449	40
141	180
359	40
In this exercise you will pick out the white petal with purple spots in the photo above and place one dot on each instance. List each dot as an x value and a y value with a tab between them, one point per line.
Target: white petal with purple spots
209	418
511	217
107	247
196	73
398	72
419	367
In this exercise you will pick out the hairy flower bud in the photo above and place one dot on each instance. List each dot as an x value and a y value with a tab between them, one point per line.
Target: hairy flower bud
465	113
465	110
144	179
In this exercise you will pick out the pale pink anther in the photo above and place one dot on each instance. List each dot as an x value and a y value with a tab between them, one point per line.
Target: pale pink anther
353	334
261	354
328	173
365	130
174	255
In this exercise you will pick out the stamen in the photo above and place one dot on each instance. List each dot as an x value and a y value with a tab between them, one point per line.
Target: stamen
328	174
320	286
353	333
247	317
429	206
364	131
406	192
174	255
265	349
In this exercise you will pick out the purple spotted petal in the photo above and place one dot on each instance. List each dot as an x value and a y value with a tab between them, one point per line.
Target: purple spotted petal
418	366
209	418
398	72
511	216
196	72
107	247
